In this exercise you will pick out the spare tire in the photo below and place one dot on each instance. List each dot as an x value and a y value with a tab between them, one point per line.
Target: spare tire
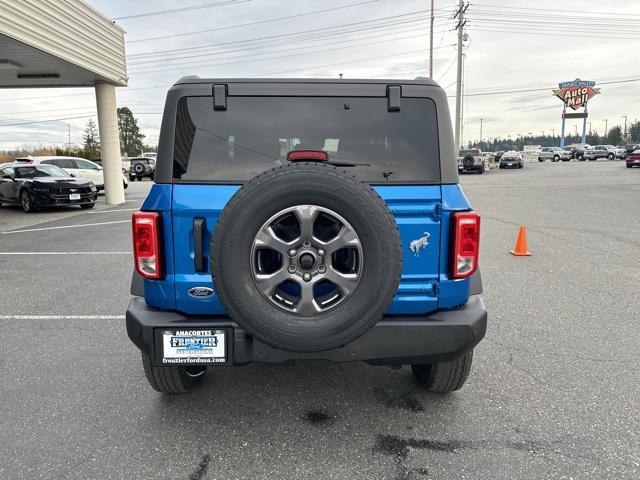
139	168
468	161
306	257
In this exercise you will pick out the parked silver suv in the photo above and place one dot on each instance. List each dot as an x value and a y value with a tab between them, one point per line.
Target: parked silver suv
608	151
555	154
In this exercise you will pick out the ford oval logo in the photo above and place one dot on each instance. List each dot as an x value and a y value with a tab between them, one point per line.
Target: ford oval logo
200	292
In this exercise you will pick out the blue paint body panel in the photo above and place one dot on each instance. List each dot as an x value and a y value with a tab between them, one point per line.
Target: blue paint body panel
190	201
422	212
160	293
452	292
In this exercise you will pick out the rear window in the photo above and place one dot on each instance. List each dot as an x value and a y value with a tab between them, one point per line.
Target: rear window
255	134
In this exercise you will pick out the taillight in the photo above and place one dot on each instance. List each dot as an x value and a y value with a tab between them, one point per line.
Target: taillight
146	244
466	244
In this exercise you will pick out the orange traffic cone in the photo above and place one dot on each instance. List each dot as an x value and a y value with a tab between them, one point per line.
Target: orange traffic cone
521	244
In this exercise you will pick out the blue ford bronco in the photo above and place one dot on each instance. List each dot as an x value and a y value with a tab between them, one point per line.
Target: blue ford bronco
306	220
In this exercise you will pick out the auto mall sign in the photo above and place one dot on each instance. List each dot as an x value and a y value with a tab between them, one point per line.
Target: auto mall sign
577	93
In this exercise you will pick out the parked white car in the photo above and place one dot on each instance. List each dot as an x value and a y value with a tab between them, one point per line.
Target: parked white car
77	167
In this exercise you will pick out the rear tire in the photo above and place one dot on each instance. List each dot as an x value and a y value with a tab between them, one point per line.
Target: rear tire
611	156
173	380
444	377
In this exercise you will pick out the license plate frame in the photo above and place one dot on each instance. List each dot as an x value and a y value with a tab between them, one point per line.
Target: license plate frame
192	346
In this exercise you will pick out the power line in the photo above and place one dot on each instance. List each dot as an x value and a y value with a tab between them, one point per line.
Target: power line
503	92
549	33
135	105
307	32
260	22
299	42
287	54
180	10
40	97
65	118
399	54
573	13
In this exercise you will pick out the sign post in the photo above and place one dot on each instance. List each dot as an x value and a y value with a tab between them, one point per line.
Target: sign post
575	95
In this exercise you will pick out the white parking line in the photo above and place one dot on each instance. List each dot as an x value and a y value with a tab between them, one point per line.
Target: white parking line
62	317
65	253
62	227
112	211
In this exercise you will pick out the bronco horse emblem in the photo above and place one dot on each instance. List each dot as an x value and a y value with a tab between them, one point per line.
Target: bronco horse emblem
419	243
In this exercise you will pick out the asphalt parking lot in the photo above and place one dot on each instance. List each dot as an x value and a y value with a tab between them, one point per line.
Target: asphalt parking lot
553	393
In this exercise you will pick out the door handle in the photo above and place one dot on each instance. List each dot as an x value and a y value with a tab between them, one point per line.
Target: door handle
199	261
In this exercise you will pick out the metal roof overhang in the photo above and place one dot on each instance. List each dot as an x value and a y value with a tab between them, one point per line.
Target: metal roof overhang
58	43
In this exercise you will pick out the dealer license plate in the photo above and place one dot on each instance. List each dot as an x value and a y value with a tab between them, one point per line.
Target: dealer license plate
191	346
74	196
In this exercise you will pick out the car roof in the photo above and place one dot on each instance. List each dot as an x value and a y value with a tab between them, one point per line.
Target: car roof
42	158
194	79
22	165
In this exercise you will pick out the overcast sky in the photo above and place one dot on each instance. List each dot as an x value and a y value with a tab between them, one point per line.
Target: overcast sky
525	46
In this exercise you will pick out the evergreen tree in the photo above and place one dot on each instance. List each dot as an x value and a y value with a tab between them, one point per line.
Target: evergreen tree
634	131
91	140
130	136
614	136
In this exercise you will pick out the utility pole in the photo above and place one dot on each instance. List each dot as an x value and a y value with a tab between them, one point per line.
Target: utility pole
462	103
431	44
605	128
460	27
68	136
625	127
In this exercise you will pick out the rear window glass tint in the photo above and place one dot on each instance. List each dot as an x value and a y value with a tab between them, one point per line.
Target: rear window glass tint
254	134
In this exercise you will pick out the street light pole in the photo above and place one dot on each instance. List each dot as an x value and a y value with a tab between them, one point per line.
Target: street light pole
481	119
605	128
625	127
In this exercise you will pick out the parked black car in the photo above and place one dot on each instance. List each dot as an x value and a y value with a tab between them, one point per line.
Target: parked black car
142	167
35	186
577	152
511	159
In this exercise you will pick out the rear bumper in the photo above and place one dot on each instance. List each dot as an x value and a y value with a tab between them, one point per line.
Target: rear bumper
470	168
395	340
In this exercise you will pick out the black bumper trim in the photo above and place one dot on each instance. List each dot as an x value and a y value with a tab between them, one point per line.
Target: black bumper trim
395	340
